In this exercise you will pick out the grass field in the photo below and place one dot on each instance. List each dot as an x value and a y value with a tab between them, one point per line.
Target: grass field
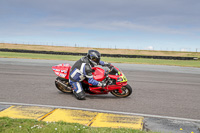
8	125
101	50
183	63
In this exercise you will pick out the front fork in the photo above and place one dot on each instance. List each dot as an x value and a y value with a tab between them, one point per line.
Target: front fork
121	84
120	90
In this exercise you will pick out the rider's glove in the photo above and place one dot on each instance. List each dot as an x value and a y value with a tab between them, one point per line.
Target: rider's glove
109	65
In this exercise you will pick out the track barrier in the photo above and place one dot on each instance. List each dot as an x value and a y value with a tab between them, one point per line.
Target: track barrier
103	55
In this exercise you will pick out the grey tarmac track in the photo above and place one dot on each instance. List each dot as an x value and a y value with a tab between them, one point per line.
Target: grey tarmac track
157	90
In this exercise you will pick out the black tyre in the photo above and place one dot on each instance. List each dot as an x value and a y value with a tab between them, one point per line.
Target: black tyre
126	91
63	85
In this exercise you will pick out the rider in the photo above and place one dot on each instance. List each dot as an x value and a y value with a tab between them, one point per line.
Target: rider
83	69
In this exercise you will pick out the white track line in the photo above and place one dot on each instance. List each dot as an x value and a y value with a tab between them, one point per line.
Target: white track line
103	111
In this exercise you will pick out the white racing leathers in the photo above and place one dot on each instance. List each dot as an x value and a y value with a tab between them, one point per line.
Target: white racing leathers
82	69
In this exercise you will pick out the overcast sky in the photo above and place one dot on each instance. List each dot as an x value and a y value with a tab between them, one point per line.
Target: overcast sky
135	24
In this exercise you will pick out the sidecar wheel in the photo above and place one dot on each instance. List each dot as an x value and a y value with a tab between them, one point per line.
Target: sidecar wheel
126	91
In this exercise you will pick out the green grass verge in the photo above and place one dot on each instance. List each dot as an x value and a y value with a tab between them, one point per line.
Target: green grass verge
183	63
8	125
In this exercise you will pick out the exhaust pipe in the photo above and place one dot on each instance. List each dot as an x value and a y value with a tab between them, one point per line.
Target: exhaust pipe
65	85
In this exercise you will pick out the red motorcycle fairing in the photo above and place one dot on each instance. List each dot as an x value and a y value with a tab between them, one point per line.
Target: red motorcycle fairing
62	70
99	75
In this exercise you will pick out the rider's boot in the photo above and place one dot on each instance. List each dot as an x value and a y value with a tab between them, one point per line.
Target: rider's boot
80	95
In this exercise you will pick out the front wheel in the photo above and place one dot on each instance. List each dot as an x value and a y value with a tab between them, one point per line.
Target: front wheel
126	91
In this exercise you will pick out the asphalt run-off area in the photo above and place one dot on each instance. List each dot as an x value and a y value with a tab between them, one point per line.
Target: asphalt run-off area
164	98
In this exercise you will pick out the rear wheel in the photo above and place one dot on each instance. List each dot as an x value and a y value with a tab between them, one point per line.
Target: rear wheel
63	85
126	91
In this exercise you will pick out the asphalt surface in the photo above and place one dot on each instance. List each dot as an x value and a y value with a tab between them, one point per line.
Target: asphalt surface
157	90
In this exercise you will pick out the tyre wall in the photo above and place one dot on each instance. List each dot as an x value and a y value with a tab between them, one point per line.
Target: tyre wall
103	55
